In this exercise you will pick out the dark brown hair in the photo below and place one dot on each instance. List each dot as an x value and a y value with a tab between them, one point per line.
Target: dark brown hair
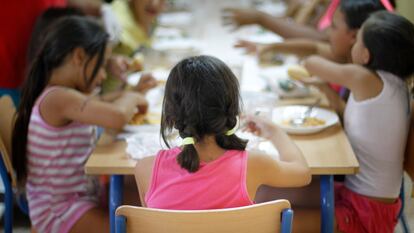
389	39
201	98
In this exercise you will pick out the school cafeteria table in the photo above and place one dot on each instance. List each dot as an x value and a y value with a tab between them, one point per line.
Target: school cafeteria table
328	153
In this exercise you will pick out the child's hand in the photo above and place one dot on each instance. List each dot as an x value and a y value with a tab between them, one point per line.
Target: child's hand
240	17
118	66
260	126
249	46
141	102
299	73
146	83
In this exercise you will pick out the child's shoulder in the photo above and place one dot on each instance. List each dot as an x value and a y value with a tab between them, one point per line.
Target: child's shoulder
171	152
60	95
358	71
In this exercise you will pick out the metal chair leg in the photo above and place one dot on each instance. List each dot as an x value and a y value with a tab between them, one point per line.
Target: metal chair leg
8	199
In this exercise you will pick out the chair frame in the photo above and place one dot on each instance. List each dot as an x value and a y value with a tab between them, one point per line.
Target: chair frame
6	171
285	225
401	216
8	198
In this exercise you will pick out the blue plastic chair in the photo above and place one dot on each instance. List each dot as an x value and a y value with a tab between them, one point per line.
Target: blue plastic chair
401	215
258	218
7	110
8	181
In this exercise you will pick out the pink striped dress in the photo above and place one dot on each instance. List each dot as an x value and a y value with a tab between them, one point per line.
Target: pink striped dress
58	191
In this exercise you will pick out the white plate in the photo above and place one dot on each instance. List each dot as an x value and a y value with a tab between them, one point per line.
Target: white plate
284	113
176	19
263	38
177	45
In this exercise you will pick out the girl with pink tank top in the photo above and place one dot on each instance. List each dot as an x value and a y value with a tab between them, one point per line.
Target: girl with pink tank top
376	120
54	132
212	169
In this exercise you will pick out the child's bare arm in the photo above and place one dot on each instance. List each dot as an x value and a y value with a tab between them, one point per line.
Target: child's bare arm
290	170
66	105
280	26
348	75
362	82
335	101
143	172
300	47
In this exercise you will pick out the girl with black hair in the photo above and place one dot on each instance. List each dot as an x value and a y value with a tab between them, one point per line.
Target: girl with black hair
212	169
54	132
376	120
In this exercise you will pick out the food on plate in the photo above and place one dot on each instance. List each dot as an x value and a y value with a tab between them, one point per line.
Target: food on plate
308	122
298	72
137	119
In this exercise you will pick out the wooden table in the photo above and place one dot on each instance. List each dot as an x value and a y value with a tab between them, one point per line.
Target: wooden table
327	153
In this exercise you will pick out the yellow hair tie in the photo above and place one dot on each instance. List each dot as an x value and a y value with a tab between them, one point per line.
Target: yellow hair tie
235	128
187	141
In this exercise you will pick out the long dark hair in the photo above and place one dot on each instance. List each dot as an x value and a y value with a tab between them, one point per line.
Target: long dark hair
201	98
66	35
389	39
357	11
46	19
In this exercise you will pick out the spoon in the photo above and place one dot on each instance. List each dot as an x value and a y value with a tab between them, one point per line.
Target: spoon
298	121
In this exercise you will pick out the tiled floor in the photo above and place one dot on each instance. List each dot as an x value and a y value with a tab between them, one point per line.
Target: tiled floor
22	223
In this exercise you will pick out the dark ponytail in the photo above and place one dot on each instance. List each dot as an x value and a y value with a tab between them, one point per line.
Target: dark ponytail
201	99
66	34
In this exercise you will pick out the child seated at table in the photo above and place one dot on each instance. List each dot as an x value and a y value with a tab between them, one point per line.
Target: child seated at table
54	132
376	121
137	20
342	35
117	66
212	168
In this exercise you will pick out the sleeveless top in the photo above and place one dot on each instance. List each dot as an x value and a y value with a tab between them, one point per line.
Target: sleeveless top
377	129
58	191
217	184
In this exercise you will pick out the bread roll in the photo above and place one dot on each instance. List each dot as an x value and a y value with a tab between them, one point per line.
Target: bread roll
298	72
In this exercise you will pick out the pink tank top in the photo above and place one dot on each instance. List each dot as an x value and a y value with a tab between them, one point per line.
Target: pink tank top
218	184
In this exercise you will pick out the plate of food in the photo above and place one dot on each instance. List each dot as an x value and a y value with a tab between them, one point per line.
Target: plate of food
294	120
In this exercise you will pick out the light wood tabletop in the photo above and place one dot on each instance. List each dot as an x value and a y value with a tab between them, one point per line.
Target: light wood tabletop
327	152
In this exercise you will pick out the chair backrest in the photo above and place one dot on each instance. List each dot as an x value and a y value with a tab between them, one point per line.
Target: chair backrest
258	218
7	111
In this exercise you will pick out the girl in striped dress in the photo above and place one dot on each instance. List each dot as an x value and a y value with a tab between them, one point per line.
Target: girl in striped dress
55	128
